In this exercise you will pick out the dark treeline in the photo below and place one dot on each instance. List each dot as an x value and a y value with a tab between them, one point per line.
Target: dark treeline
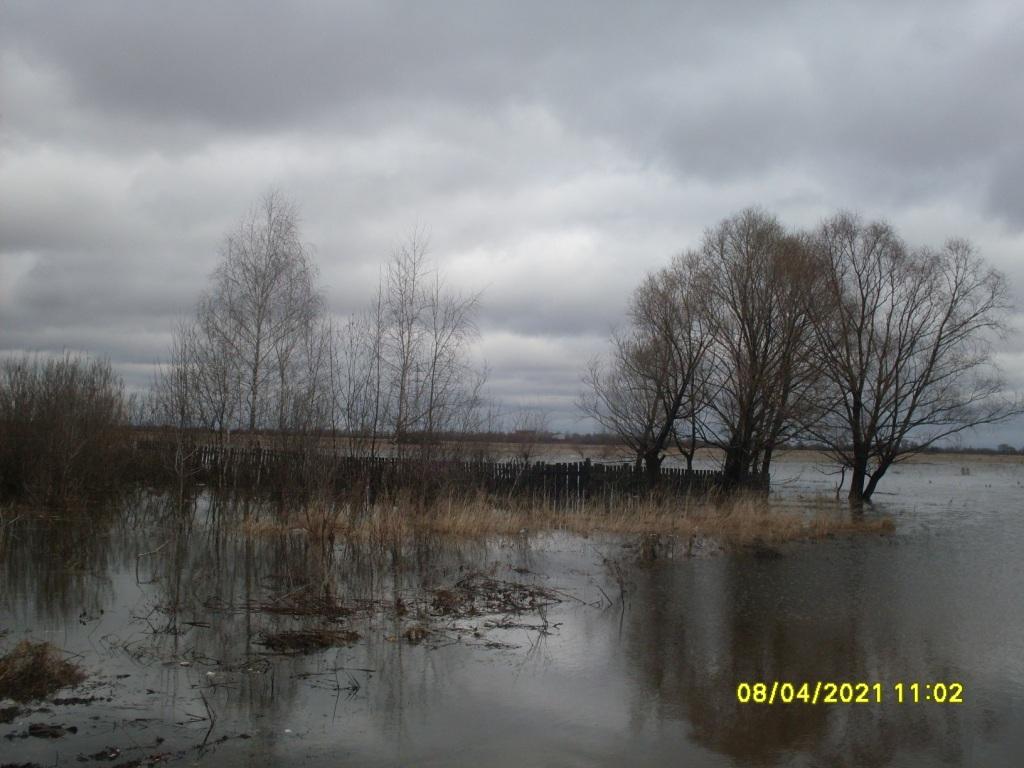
843	336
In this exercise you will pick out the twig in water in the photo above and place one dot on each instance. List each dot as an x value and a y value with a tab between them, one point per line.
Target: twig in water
212	717
610	603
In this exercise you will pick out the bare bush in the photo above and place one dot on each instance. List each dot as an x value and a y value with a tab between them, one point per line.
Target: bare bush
61	427
530	426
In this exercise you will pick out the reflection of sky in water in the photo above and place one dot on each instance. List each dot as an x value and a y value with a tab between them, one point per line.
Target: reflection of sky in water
650	681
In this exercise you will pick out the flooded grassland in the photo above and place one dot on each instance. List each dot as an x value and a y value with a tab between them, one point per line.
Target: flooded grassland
213	634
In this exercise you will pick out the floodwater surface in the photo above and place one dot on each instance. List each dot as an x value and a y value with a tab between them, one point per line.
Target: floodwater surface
555	650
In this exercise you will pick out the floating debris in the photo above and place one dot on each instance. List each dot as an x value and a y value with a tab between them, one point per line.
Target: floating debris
478	595
307	640
416	634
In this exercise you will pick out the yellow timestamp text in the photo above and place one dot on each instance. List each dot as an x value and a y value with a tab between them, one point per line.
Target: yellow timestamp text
825	692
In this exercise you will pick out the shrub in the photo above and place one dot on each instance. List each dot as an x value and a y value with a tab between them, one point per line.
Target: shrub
60	427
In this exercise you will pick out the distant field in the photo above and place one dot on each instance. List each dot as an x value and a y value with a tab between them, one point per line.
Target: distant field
567	452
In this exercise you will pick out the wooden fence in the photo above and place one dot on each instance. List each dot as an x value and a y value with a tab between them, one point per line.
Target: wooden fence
560	482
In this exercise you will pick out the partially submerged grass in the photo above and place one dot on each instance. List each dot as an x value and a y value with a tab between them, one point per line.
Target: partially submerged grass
307	640
304	602
734	519
33	671
481	595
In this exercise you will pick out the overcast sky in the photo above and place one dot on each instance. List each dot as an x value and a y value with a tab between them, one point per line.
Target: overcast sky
553	150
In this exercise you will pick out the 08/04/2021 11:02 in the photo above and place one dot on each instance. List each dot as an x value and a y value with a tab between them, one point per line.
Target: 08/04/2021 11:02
822	692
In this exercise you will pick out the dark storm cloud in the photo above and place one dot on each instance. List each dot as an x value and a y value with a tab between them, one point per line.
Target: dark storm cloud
254	65
555	151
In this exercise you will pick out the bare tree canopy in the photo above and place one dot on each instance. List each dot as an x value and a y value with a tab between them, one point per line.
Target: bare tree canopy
255	355
261	353
754	280
905	343
765	335
652	384
404	367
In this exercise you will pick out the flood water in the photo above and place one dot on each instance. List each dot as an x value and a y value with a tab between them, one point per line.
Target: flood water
633	657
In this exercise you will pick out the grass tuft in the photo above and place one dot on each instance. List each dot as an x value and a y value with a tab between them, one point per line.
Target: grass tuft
32	671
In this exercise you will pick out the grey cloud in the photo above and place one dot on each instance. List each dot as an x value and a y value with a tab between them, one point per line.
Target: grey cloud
1005	191
555	150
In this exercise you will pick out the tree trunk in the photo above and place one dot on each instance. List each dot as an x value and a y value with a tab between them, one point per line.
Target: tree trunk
652	467
857	478
737	461
873	479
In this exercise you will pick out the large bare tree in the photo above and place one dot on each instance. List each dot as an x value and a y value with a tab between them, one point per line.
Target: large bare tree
905	341
428	333
263	307
256	355
754	277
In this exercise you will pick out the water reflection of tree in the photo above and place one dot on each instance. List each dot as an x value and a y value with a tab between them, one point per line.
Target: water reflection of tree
56	568
694	631
217	573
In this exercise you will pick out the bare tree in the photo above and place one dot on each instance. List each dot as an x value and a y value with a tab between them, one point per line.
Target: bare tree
529	427
257	354
428	330
359	387
668	306
905	341
404	368
652	382
753	277
176	401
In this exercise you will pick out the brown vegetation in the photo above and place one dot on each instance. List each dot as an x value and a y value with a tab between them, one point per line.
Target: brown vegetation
32	671
481	595
61	424
732	519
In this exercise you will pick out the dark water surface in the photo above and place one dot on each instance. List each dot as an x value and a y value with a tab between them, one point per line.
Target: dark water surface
636	664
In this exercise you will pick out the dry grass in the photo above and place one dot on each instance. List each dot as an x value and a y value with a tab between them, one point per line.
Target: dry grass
739	519
33	671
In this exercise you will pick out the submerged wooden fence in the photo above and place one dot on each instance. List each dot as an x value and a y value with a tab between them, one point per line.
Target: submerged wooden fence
561	482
